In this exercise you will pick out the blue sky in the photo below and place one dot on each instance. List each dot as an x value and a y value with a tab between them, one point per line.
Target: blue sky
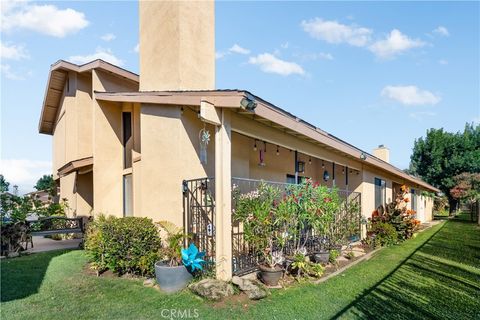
368	72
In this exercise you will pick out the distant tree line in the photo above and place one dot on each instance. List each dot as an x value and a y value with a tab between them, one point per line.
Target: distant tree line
450	162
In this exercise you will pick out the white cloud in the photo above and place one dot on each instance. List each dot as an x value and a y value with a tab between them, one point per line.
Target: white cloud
325	56
237	49
13	52
312	56
335	32
108	37
220	54
395	43
410	95
137	48
100	53
443	61
285	45
421	114
7	72
24	172
270	64
46	19
440	30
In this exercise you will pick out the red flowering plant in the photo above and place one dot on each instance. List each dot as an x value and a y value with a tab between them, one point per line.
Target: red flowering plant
264	229
299	208
402	218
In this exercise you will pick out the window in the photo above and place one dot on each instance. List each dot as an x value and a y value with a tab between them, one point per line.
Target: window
291	179
380	192
414	200
127	139
127	196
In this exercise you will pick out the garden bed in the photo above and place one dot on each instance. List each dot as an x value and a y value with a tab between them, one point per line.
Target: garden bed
439	265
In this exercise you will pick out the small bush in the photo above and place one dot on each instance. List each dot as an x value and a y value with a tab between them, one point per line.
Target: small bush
123	245
334	254
381	234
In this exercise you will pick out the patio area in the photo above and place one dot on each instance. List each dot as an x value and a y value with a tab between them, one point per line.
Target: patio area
42	244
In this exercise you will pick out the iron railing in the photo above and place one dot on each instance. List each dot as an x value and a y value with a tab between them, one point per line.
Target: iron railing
245	258
199	215
199	221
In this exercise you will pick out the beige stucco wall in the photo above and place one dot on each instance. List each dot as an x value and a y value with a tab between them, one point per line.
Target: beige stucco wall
84	194
245	164
177	45
107	145
170	154
72	136
67	193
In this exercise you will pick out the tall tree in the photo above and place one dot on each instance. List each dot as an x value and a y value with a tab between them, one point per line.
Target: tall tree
4	184
467	187
441	156
46	183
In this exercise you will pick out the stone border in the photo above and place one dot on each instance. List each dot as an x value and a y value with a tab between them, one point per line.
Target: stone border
367	256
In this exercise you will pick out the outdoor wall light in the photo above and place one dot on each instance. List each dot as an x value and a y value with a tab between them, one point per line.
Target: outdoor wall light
310	160
301	166
278	151
255	146
248	102
326	176
363	156
323	164
343	171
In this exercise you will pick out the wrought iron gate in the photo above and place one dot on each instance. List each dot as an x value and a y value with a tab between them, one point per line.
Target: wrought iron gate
199	215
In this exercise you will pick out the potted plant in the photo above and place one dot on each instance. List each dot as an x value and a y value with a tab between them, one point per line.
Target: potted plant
264	229
174	271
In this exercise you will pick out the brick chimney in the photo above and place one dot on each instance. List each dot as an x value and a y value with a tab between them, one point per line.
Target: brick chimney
382	152
177	45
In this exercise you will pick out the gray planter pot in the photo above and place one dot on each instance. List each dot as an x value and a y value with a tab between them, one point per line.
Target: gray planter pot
321	257
171	279
270	276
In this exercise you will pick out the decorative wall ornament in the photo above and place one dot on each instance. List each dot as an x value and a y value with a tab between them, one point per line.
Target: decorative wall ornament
204	137
262	158
326	175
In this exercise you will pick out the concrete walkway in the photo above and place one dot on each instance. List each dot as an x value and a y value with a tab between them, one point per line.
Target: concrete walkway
41	244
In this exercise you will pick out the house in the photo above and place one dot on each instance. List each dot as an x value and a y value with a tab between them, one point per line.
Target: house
44	196
130	145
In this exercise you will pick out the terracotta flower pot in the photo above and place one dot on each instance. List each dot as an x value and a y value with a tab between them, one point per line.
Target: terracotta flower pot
270	276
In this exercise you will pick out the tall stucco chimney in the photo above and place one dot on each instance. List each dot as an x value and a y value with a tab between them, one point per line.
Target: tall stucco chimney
382	152
177	45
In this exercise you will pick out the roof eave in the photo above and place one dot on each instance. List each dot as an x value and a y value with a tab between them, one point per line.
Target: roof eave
65	66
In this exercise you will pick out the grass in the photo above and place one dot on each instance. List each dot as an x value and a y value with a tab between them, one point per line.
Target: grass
435	275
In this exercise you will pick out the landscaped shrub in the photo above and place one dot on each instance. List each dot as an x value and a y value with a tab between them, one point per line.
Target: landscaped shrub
381	234
123	245
397	218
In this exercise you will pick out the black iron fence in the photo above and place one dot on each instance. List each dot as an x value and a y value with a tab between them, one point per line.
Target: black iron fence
199	215
199	221
346	226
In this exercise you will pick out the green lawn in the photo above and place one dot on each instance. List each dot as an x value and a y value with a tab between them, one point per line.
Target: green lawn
435	275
